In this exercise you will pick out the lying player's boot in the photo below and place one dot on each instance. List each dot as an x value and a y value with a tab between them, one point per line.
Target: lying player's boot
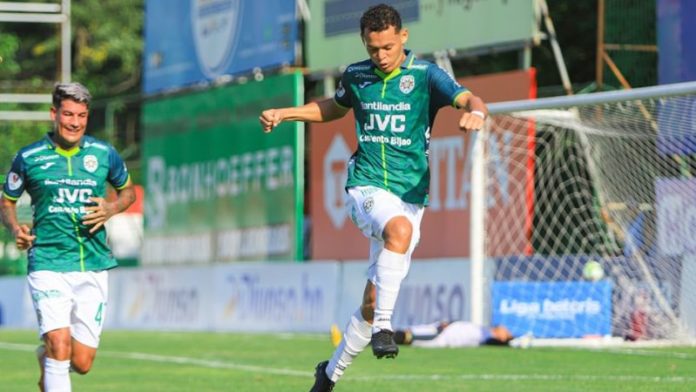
403	337
383	344
322	383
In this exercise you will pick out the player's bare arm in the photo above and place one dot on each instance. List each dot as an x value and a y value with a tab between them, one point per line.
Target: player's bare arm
320	111
475	112
23	237
102	210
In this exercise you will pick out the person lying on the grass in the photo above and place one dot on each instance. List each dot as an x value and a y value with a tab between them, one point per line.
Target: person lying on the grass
454	334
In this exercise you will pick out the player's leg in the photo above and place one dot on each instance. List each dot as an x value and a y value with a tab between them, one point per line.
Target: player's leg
455	334
57	362
41	357
391	270
418	332
82	357
90	290
400	233
52	300
382	216
356	337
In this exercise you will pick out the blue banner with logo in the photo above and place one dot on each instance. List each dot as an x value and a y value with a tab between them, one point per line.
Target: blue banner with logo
193	41
553	309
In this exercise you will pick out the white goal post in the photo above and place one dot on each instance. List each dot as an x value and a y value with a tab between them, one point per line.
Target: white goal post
607	243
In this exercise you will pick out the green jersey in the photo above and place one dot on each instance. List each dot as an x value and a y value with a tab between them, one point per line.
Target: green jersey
393	117
60	184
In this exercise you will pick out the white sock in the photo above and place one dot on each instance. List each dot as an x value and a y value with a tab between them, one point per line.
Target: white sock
390	272
56	376
357	336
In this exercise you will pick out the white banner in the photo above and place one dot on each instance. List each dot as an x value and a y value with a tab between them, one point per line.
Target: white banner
434	290
253	297
275	297
161	298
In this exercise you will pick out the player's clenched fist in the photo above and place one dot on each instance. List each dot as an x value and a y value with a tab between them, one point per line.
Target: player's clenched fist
23	237
471	121
269	119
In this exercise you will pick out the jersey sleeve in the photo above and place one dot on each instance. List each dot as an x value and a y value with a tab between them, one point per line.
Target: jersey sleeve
444	89
118	172
344	95
15	180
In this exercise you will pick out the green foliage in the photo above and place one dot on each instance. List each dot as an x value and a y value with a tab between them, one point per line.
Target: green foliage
16	135
107	47
9	43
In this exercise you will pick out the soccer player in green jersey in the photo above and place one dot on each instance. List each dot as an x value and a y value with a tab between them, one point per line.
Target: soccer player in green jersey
65	174
395	98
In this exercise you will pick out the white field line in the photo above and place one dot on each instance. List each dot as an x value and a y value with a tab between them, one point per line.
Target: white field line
647	353
396	377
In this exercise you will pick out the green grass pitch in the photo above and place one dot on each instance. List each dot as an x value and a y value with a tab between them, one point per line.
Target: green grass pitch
176	361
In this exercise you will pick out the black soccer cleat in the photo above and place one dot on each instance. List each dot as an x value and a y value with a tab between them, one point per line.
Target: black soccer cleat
322	383
383	344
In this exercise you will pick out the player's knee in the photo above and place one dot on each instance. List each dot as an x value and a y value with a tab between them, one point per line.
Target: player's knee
58	345
397	234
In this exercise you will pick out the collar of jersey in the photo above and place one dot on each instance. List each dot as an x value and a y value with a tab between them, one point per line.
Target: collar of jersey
61	151
408	61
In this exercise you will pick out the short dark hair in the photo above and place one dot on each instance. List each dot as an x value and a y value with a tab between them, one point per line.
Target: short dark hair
73	91
378	18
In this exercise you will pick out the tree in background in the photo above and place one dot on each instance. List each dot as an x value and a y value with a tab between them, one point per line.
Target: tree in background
107	47
106	54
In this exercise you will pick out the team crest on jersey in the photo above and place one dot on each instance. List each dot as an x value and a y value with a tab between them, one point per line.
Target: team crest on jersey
407	83
90	162
14	181
368	204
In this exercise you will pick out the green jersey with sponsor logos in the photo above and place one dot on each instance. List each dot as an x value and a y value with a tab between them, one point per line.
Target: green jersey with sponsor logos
394	114
60	184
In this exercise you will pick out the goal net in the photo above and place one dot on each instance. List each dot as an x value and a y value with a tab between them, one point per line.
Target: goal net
607	244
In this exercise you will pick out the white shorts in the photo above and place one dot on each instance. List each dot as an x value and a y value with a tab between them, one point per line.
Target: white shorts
70	299
371	208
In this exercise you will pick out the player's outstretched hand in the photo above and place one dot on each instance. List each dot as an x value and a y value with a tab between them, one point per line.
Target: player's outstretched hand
23	238
269	119
471	121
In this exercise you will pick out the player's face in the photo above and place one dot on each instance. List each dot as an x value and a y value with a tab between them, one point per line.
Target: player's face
70	123
386	47
501	333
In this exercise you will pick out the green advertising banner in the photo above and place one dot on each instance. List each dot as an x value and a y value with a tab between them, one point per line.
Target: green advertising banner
333	36
217	187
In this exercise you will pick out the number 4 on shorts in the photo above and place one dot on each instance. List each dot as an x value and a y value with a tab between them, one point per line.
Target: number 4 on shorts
98	316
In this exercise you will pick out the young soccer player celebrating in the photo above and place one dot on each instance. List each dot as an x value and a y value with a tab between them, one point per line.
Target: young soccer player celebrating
395	98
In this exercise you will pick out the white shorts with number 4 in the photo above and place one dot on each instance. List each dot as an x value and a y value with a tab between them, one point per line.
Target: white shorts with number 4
70	299
371	208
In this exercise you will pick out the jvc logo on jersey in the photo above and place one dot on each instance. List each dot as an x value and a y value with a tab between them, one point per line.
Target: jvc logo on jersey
392	122
73	195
